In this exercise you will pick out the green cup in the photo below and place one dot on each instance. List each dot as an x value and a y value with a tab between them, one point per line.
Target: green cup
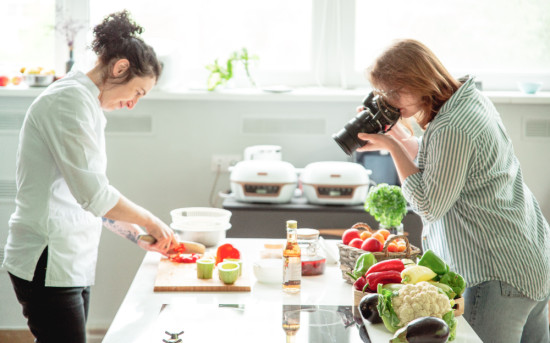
228	272
205	268
236	260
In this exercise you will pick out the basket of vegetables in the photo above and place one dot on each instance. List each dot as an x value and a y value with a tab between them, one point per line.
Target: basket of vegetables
383	245
410	298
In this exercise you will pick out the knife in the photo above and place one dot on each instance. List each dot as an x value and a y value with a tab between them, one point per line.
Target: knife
190	247
138	236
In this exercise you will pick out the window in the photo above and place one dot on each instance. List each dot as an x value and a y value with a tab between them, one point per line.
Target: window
195	33
299	43
28	35
491	39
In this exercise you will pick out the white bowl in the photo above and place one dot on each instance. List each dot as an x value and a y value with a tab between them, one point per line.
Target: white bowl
529	87
269	270
207	233
210	214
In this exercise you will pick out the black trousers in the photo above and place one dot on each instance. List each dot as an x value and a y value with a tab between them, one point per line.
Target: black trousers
54	314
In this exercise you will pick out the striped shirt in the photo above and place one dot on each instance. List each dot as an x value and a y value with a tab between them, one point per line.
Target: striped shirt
478	214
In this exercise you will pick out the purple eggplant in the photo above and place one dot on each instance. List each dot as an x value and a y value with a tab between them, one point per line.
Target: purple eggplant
423	330
368	310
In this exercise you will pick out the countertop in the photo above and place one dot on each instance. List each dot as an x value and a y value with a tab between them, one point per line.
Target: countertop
140	309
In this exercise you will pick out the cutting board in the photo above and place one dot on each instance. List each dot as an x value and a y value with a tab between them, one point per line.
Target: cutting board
182	277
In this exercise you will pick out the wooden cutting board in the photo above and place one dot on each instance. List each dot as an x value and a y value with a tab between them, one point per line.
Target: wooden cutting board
182	277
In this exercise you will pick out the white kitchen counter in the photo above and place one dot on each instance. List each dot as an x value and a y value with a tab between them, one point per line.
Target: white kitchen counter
140	309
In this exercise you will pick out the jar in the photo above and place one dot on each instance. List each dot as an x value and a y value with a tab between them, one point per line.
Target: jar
272	250
313	257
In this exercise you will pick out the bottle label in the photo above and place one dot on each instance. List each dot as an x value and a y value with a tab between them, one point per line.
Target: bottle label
292	272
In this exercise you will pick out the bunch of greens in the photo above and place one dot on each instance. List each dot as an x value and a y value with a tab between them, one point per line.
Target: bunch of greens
386	204
221	73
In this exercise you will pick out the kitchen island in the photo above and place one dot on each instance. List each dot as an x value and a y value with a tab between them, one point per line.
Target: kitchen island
145	315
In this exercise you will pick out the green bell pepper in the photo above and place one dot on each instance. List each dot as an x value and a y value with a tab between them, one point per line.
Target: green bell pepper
456	281
432	261
363	263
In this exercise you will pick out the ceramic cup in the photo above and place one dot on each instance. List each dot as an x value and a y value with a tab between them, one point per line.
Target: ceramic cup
205	268
228	272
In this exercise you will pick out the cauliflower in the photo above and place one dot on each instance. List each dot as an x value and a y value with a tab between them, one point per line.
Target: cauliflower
420	300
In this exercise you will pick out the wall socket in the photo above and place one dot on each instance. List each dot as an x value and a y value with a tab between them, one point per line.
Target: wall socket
223	162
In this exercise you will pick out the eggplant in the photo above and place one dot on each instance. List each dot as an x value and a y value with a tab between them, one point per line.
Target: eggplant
368	310
423	330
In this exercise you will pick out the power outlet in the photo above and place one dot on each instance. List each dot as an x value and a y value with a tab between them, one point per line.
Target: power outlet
223	162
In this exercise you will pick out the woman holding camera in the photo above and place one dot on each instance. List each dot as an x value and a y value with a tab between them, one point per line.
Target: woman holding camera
62	187
463	179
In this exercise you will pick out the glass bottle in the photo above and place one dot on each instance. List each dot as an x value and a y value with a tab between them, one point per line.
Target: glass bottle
292	264
291	321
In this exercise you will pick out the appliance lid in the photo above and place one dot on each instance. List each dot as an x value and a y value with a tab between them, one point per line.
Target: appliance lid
263	171
335	173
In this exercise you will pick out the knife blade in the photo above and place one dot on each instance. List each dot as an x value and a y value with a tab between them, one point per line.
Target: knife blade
190	247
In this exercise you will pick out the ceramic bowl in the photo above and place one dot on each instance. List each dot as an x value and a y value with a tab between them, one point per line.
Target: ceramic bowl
529	87
208	233
269	270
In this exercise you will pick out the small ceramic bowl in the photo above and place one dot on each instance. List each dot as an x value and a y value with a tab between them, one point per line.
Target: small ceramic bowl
269	270
529	87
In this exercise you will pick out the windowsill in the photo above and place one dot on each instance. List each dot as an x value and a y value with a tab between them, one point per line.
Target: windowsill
297	94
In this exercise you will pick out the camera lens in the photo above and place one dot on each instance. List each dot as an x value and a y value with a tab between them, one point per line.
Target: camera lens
378	117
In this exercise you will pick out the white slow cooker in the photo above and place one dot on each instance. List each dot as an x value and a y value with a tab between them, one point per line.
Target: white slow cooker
267	181
338	183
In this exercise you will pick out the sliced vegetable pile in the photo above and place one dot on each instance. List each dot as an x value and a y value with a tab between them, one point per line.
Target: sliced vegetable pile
412	300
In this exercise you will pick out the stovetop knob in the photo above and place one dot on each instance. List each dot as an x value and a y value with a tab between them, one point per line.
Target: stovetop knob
174	337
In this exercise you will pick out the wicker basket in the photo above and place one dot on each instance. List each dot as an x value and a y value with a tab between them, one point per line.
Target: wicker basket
349	255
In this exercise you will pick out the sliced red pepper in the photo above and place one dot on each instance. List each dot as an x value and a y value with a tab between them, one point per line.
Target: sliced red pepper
393	264
388	276
184	258
227	251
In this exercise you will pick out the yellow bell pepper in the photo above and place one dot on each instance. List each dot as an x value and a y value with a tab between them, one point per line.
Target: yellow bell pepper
416	274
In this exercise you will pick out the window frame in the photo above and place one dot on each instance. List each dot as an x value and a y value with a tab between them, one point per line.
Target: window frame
332	57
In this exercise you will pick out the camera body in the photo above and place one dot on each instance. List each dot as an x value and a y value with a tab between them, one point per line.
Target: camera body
377	117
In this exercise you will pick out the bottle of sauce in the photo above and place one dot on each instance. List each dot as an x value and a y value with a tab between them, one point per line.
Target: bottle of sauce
291	321
292	264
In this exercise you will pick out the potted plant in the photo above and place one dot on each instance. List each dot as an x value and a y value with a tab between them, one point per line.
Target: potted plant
388	206
221	73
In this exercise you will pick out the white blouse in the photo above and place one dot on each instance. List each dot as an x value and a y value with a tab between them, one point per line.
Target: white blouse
62	187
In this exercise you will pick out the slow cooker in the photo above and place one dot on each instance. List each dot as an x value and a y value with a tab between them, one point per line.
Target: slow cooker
267	181
334	182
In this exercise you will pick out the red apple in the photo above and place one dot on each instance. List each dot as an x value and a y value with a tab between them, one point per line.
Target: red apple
350	234
372	245
4	80
356	243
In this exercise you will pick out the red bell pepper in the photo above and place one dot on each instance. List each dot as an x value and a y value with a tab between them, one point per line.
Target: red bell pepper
227	251
184	258
388	276
393	264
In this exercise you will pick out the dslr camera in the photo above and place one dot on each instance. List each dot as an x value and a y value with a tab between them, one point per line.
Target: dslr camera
377	117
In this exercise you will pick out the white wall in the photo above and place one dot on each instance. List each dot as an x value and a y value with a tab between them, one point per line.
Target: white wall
169	167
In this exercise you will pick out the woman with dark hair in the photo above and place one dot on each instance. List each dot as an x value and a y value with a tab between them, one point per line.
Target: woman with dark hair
463	178
62	187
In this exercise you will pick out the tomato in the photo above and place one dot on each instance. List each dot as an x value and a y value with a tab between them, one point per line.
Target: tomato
384	233
350	234
372	245
379	237
356	243
365	234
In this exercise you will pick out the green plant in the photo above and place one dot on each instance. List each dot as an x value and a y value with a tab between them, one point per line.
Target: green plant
386	204
220	73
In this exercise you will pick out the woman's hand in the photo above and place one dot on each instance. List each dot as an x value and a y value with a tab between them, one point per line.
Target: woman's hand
163	234
376	141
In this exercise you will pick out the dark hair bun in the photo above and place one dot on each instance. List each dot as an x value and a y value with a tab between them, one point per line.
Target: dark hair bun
114	29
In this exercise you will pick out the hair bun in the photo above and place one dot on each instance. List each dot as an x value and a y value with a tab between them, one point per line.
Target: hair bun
113	30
